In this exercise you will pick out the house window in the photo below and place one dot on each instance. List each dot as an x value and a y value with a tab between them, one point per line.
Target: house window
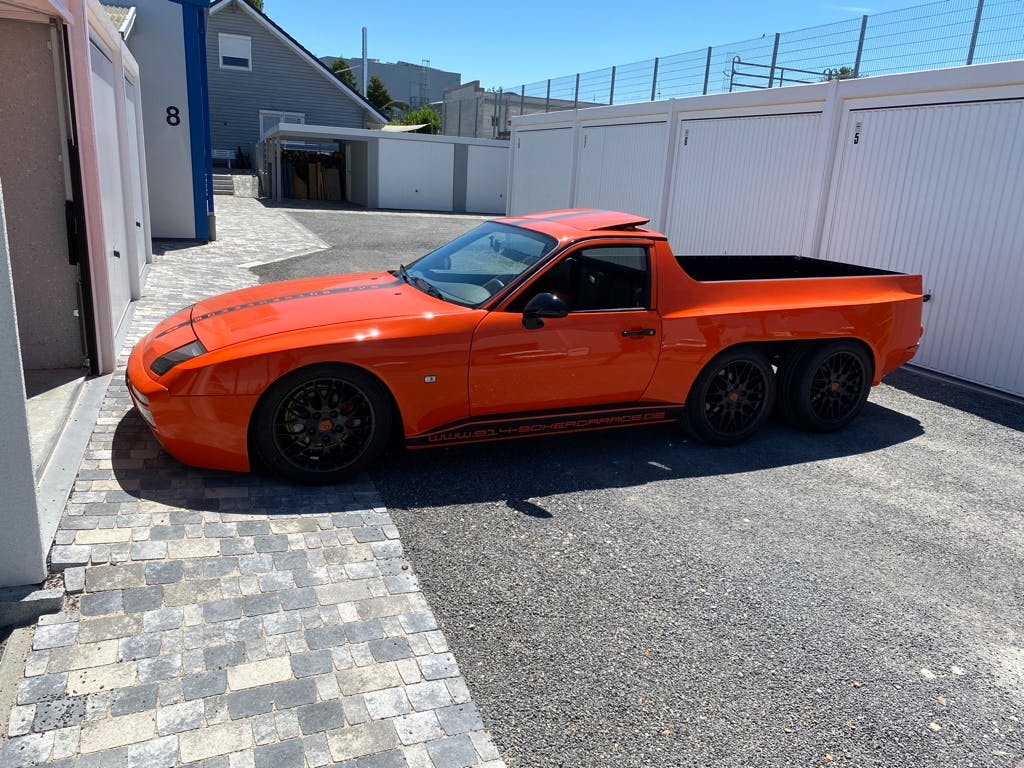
235	52
270	119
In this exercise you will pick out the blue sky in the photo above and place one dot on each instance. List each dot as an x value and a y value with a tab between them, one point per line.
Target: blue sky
505	44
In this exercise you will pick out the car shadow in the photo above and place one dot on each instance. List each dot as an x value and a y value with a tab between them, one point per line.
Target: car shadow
516	471
512	472
1005	411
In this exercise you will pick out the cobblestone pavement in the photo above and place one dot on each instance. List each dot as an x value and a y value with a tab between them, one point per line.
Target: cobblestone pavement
225	620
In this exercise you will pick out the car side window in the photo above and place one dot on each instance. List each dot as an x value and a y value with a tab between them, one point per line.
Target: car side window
595	279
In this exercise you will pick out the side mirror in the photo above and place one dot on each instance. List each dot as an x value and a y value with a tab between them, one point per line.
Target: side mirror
543	305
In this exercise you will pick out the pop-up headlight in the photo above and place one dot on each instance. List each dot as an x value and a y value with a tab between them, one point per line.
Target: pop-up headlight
164	363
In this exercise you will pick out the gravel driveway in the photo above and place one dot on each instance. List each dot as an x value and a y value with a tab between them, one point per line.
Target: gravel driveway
634	599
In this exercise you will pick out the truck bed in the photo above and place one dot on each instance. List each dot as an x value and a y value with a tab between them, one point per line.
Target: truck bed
711	269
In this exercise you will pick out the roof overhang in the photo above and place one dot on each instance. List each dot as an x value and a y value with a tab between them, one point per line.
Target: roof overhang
302	132
36	10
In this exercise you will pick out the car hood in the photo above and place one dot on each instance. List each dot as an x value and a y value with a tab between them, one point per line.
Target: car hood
265	310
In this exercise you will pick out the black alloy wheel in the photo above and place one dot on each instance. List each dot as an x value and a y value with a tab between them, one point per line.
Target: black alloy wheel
322	424
731	397
824	386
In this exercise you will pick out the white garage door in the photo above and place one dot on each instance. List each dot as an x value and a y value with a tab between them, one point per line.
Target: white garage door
114	232
935	190
742	186
542	171
486	179
622	168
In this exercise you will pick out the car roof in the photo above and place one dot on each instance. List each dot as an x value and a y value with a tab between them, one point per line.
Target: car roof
578	222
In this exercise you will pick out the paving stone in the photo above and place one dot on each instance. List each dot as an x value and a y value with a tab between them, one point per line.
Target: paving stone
141	647
390	649
461	718
176	718
345	592
60	713
222	610
192	592
285	753
294	693
93	630
143	599
239	546
290	561
389	702
74	580
30	749
256	564
136	698
148	550
271	543
250	702
55	636
361	740
215	740
375	677
394	758
274	581
95	679
314	663
438	665
156	753
279	623
225	655
162	619
117	732
42	688
164	573
81	656
258	673
363	631
253	527
429	695
325	716
456	752
325	637
255	605
204	684
296	599
159	668
103	578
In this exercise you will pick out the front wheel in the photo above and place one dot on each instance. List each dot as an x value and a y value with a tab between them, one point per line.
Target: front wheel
732	397
322	424
823	387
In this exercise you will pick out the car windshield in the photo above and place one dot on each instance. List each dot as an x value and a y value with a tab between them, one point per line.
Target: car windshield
475	267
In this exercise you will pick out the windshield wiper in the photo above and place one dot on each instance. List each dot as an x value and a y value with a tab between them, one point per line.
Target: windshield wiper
403	272
426	287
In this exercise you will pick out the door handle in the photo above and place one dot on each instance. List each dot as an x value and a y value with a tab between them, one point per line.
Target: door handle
638	332
117	254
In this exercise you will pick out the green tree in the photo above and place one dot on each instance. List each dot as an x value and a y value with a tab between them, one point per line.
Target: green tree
427	116
343	71
843	73
377	94
257	4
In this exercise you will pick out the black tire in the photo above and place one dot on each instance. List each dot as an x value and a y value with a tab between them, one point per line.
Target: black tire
322	424
732	397
823	387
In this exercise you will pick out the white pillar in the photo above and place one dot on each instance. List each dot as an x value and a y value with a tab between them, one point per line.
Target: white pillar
22	550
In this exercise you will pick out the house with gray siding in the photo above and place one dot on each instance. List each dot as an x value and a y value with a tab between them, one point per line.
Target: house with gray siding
260	76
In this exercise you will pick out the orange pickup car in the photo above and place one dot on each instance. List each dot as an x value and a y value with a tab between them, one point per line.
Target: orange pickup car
565	321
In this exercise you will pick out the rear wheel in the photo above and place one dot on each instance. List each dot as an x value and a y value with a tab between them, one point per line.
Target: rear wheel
731	397
322	424
824	386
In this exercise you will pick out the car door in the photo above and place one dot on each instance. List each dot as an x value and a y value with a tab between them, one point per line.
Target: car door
603	351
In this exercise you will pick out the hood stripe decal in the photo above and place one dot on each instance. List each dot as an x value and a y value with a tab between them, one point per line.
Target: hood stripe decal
279	299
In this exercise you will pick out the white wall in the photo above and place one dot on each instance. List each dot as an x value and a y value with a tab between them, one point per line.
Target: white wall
921	172
157	42
415	175
22	549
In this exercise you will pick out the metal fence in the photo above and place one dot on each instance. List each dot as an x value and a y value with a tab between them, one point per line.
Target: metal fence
929	36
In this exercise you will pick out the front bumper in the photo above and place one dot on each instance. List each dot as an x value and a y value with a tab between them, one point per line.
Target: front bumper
198	430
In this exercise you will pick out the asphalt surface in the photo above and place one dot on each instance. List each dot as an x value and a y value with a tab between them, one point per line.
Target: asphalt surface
632	598
364	241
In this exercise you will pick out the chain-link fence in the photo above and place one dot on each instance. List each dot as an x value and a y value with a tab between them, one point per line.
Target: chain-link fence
929	36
